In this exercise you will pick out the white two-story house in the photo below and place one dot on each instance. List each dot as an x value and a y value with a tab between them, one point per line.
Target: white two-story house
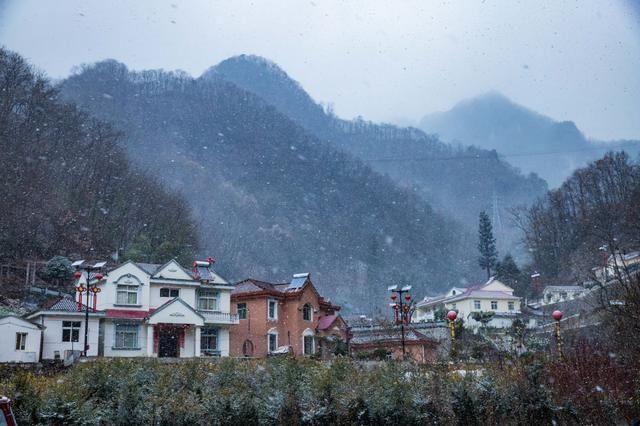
492	296
143	310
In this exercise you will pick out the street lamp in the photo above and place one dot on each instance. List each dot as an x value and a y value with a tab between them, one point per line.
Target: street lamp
452	316
98	276
401	308
557	316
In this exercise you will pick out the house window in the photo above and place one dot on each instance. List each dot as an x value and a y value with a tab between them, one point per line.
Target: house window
242	310
494	305
21	341
273	342
512	306
476	304
208	300
307	312
126	336
70	331
308	345
169	292
454	307
272	309
127	295
308	342
209	340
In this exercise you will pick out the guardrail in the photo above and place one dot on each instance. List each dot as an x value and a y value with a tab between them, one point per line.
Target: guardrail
220	317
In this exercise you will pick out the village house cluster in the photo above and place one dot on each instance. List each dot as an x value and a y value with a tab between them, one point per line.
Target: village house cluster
151	310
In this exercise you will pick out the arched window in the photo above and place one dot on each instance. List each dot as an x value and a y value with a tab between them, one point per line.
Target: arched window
247	348
308	342
307	312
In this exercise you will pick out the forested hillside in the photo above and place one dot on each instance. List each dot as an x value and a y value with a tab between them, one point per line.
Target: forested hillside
459	181
593	213
67	187
270	198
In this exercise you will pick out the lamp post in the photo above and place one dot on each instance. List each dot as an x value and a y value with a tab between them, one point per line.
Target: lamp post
401	309
452	316
557	316
98	276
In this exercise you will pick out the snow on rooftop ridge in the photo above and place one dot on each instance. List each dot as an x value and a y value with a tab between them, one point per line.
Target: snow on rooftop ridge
301	275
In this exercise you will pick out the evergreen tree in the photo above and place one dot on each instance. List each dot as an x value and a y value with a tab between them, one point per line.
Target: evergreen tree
486	244
508	272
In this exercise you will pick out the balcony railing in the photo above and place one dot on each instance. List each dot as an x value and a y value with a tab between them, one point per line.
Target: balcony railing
219	317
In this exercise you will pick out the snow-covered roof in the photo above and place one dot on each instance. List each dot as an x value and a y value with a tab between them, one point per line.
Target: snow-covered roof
564	288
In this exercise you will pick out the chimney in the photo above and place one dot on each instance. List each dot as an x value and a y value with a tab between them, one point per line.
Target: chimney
536	281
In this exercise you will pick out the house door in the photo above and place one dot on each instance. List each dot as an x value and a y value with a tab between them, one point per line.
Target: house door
168	343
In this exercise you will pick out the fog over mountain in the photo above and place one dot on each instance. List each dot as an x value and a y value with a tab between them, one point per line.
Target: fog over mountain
269	198
528	140
458	181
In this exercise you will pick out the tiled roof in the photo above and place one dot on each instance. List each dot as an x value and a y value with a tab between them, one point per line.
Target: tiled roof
564	287
389	335
251	285
61	304
326	321
484	294
149	268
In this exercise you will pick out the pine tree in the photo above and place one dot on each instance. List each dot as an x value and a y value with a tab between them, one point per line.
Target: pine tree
508	272
486	244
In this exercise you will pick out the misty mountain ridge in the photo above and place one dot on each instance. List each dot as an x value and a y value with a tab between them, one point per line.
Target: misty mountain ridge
529	140
458	181
271	199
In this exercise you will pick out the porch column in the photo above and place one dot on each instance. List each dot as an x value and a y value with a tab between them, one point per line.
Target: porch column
196	351
149	340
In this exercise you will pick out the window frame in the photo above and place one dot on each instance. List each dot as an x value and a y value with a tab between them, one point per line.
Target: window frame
494	305
512	306
307	310
270	303
275	340
127	289
73	328
208	334
21	340
477	304
119	343
208	295
241	310
172	292
306	339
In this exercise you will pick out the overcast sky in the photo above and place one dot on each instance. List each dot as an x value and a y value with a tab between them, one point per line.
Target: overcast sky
385	60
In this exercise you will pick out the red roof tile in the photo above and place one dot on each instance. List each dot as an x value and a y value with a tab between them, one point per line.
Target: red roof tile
326	321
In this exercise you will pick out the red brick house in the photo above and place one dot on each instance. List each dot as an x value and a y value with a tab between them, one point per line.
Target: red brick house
288	317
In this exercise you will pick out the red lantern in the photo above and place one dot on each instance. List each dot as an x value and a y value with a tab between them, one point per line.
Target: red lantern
407	297
557	315
99	276
77	275
452	315
394	296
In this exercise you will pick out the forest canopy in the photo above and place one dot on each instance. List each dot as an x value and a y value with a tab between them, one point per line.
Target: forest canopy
67	186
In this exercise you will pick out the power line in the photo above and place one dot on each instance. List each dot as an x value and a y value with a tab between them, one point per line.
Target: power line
490	155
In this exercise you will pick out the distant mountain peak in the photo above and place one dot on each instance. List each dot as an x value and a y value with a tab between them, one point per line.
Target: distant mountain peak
255	61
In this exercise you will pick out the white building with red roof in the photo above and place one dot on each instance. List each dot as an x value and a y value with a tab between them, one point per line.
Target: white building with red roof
144	310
